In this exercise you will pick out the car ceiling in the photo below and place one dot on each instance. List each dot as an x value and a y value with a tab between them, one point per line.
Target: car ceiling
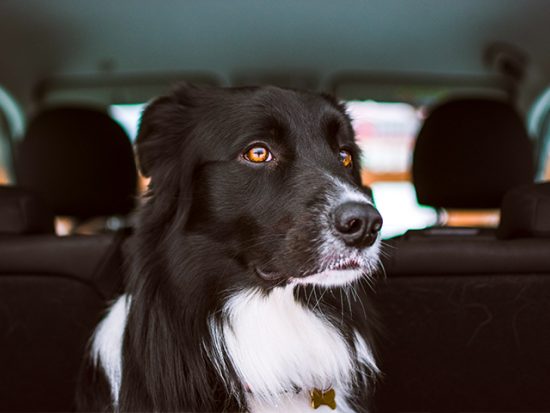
40	39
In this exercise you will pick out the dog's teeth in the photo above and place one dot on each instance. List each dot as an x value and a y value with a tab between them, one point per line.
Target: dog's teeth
341	262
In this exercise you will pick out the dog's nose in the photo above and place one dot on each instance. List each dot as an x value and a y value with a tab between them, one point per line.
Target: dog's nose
357	224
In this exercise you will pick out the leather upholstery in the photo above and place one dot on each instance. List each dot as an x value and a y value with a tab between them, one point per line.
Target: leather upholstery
466	313
80	161
23	212
525	212
469	152
53	291
464	343
432	255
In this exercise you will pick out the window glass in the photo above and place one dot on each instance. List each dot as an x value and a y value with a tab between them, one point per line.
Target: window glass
4	152
12	123
539	128
386	133
128	117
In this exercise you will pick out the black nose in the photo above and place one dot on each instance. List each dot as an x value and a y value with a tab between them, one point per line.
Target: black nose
357	224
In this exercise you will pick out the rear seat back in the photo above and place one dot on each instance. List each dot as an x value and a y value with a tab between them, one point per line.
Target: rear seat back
468	316
53	290
467	311
525	212
52	293
469	153
80	161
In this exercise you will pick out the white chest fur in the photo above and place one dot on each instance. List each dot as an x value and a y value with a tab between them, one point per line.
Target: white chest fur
276	344
107	343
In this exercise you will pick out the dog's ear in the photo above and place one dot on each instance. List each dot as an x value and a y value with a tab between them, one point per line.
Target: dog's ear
152	135
165	123
164	149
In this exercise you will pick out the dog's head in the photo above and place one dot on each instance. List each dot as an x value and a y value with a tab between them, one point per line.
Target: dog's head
270	177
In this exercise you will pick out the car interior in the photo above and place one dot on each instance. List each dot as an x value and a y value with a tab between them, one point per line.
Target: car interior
450	102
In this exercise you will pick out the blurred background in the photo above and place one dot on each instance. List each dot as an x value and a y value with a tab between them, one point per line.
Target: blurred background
390	61
450	101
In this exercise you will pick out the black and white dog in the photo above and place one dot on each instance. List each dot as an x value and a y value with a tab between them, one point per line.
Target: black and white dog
245	263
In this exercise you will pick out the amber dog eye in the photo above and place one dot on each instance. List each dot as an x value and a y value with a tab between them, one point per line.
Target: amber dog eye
345	158
258	154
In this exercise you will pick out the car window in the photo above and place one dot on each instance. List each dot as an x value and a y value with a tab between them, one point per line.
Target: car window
386	132
11	129
4	152
128	117
539	128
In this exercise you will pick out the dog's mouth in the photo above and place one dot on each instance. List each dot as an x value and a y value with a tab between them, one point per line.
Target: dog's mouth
342	263
337	266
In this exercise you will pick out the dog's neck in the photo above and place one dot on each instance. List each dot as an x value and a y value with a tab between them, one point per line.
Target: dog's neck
276	345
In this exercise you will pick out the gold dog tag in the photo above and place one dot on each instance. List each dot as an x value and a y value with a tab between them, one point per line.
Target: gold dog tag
320	398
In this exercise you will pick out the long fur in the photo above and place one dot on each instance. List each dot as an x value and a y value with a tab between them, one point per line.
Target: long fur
239	294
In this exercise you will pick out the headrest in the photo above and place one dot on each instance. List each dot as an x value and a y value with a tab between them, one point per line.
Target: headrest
80	161
23	212
469	152
525	212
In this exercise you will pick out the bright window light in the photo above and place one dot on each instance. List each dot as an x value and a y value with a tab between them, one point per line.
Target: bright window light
397	204
128	117
386	133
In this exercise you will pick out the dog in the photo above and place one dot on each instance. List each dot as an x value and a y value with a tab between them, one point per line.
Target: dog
246	263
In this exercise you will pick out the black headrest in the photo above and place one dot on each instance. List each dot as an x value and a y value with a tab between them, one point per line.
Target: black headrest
525	212
23	212
80	160
469	152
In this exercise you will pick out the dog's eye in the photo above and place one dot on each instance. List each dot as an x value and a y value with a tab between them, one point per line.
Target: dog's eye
345	158
258	154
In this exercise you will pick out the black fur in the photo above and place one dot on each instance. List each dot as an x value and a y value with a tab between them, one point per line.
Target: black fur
210	220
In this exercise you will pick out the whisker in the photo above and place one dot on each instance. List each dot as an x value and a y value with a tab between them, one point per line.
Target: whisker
358	298
320	298
341	306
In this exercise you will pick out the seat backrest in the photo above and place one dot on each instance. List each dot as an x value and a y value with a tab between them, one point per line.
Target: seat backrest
525	212
80	161
467	315
53	291
469	153
77	162
466	311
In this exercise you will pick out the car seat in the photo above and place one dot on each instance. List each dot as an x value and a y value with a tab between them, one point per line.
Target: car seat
54	289
466	311
80	161
469	153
